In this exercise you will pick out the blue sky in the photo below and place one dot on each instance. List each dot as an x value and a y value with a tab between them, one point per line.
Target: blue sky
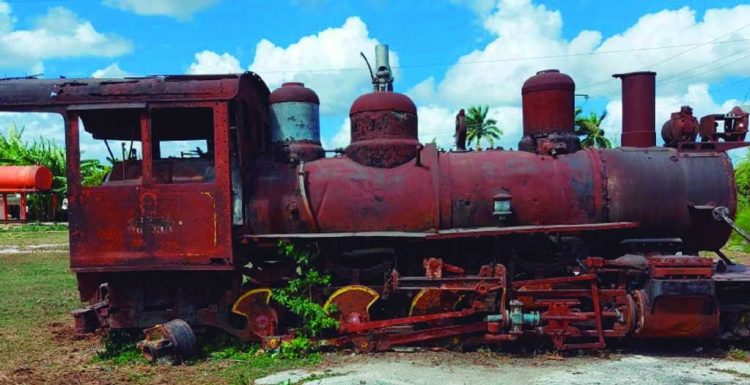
449	53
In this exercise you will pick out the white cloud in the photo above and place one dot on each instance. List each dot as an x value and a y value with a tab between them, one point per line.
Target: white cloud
34	125
59	33
209	62
335	50
438	124
424	91
178	9
6	20
479	6
50	126
341	138
328	62
111	71
495	73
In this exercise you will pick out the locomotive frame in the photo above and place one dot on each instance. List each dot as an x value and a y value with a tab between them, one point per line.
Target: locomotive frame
488	247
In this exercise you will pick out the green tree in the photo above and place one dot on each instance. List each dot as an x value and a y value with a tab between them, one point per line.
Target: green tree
478	127
742	217
590	128
742	177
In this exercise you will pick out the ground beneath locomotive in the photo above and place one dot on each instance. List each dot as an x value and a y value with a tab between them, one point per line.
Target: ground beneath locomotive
447	368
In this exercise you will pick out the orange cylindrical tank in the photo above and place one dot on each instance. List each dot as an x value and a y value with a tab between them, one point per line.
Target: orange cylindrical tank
25	179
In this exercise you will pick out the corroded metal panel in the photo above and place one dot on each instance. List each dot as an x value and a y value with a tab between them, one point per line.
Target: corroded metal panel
158	219
638	109
295	121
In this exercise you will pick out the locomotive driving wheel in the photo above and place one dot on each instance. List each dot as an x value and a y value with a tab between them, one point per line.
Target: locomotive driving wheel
254	305
352	303
434	301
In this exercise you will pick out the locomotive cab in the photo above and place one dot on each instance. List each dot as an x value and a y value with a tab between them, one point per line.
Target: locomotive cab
180	147
158	203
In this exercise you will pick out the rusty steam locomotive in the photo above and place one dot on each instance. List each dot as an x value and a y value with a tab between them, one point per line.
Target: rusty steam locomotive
578	246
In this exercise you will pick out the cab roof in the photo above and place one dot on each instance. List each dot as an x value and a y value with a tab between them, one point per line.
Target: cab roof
31	94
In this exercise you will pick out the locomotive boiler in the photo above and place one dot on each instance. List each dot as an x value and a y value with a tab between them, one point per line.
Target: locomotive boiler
574	245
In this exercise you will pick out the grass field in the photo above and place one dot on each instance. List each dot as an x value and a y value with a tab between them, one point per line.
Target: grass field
38	344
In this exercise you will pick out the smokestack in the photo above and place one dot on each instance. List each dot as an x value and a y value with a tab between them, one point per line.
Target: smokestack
382	59
638	109
383	76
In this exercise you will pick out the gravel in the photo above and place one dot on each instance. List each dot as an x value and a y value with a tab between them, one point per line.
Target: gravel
484	369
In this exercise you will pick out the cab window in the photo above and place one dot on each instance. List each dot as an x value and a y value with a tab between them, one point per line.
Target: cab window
182	144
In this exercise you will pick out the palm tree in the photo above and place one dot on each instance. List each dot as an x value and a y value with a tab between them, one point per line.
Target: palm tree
478	127
590	128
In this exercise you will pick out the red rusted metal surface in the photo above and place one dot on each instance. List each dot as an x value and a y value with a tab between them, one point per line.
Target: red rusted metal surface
293	92
590	186
357	327
734	129
433	301
480	232
15	179
383	130
676	316
679	302
548	103
57	94
740	124
153	221
548	114
680	267
572	246
254	306
566	321
675	201
386	342
681	127
638	109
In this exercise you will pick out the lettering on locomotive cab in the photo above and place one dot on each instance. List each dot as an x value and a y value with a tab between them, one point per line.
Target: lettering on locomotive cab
151	225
